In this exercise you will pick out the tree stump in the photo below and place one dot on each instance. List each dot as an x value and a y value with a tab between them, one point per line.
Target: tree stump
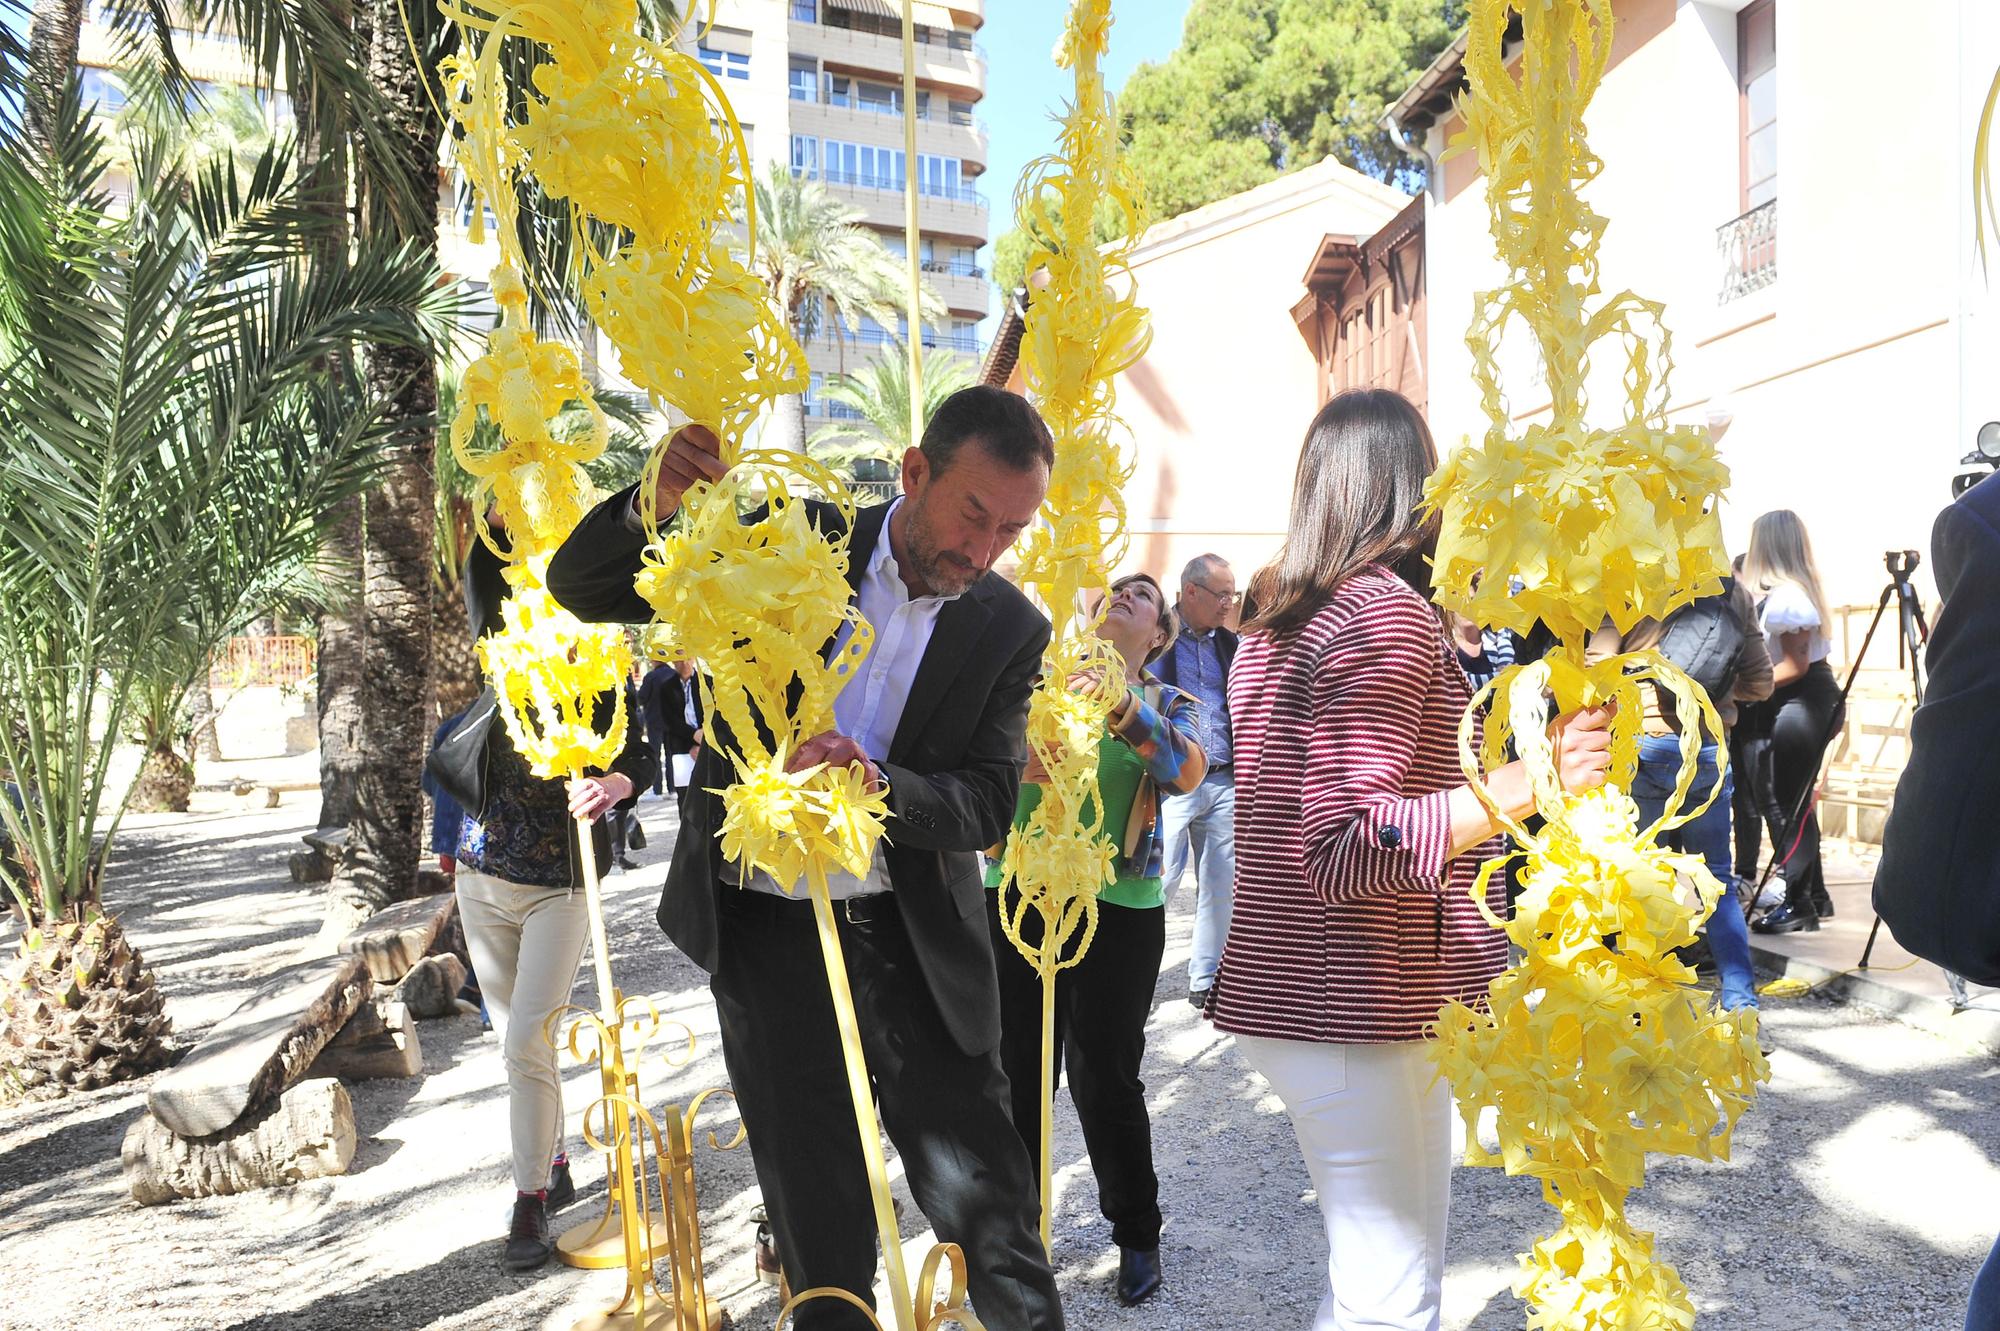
431	987
380	1040
307	1133
262	1047
392	941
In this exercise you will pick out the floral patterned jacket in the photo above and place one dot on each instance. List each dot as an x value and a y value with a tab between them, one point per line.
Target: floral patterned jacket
525	833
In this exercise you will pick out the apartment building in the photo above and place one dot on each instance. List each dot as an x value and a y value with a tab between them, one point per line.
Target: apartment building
816	84
819	83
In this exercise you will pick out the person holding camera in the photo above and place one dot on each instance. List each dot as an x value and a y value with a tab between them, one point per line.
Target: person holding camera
1938	885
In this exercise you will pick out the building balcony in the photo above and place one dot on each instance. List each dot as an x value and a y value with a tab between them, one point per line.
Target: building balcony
950	59
959	213
965	140
963	287
1748	251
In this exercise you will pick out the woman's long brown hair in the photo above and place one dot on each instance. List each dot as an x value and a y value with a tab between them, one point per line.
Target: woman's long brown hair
1354	503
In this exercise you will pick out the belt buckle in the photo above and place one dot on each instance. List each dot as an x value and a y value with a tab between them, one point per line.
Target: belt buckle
847	905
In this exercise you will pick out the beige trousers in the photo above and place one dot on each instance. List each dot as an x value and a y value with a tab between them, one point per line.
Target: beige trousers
526	943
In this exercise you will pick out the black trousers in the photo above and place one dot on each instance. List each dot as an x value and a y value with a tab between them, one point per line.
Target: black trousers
1752	802
1102	1004
1805	714
945	1110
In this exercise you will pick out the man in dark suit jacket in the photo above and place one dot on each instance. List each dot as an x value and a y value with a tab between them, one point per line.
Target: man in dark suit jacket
1203	820
672	704
937	715
653	710
1938	885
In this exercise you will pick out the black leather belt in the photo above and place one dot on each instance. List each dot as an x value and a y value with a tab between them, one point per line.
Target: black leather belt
872	908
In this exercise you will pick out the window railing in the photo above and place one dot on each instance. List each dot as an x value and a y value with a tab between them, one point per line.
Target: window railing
953	267
882	337
950	39
1748	249
867	180
833	411
874	106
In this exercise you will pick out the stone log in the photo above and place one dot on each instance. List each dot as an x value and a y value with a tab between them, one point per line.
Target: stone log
262	1047
308	1132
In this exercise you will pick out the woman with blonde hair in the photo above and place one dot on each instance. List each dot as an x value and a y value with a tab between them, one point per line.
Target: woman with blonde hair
1782	576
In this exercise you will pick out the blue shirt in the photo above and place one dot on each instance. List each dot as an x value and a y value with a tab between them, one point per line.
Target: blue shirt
1198	667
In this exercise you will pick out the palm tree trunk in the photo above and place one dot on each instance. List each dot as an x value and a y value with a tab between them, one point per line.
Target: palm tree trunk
53	31
337	671
399	548
323	156
201	721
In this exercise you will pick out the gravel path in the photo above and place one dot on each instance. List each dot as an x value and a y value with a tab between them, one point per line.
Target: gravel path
1864	1191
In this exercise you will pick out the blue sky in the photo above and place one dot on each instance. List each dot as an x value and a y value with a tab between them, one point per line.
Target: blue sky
1024	88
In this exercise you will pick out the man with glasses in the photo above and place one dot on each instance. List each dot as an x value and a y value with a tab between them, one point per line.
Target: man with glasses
1204	819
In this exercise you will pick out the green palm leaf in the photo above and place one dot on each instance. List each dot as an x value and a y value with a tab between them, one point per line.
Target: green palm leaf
174	434
880	393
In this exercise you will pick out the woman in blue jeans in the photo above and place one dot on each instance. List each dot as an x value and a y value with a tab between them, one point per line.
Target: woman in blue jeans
1716	639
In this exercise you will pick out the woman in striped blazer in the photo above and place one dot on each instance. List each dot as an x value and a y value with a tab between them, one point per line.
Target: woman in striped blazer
1357	842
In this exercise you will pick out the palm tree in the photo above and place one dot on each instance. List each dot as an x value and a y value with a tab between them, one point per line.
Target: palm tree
398	176
224	121
880	393
822	265
171	441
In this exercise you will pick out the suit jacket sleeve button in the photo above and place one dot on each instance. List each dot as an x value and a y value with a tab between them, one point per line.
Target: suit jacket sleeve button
1390	836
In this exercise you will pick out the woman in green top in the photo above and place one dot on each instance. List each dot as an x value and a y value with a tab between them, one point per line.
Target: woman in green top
1102	1002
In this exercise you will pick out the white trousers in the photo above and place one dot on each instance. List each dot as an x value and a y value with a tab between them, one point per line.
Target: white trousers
526	943
1376	1134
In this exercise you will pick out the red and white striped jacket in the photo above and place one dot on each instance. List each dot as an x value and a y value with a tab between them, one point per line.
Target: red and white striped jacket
1349	924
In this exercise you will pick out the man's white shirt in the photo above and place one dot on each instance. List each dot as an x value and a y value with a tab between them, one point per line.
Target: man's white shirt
870	704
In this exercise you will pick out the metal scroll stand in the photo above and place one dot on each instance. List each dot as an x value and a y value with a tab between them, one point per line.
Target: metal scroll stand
1913	631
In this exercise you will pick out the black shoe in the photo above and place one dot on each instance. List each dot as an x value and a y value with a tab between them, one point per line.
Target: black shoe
1197	999
769	1272
1786	919
627	862
1824	909
528	1243
1138	1274
562	1188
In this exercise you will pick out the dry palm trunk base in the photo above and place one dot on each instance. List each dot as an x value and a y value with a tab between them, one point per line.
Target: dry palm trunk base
78	1010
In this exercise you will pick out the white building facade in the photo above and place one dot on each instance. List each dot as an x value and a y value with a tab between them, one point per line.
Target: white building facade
1792	178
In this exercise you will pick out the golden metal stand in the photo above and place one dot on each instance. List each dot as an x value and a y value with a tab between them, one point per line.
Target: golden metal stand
640	1158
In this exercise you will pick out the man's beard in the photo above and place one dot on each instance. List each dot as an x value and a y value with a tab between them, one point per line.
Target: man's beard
944	573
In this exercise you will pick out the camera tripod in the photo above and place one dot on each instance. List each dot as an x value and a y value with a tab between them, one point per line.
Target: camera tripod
1913	632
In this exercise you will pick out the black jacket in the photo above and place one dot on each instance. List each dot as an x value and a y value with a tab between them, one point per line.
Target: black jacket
1938	885
537	810
954	769
664	696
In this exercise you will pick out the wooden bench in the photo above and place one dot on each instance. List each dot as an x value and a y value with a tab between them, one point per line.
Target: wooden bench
262	1047
396	938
